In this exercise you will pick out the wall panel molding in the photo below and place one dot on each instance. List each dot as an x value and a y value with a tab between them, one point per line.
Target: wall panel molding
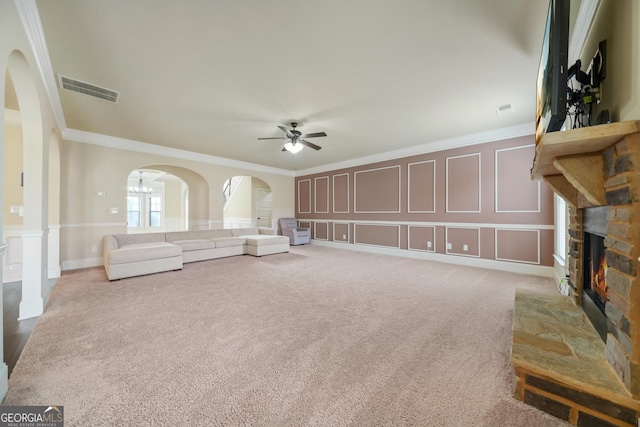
518	245
307	199
450	234
423	246
377	187
335	190
454	185
521	183
318	194
324	228
432	187
370	239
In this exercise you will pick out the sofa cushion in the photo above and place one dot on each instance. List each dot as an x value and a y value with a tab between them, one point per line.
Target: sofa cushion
227	242
195	244
144	252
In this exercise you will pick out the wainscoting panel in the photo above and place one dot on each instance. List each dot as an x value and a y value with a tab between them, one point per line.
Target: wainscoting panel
422	238
378	235
518	245
341	232
463	241
321	230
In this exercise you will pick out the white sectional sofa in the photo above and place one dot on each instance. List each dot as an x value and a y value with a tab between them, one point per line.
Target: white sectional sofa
128	255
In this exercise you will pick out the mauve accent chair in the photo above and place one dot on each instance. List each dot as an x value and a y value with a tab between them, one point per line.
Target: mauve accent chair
297	235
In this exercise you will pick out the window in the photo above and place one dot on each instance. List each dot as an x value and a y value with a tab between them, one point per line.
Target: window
561	228
155	211
133	211
144	210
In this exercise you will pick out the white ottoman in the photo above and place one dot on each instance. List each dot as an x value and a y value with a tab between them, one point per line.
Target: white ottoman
266	244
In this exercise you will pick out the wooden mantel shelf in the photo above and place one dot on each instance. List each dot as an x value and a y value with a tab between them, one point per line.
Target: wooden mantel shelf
568	160
577	142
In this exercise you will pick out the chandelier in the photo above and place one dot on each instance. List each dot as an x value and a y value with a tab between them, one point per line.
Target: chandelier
140	188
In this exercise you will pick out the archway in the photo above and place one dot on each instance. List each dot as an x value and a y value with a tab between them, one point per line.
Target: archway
25	193
155	202
185	197
247	203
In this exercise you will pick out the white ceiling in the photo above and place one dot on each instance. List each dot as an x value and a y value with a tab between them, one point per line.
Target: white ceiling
376	75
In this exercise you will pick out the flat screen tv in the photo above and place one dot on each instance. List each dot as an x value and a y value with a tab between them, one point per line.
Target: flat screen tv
551	91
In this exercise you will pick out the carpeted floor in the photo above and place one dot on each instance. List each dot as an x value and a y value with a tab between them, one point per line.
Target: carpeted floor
316	337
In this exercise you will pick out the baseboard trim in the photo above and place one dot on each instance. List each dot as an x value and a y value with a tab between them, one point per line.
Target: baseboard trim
513	267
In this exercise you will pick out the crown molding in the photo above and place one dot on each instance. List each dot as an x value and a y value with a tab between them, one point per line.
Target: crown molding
525	129
175	153
586	14
30	17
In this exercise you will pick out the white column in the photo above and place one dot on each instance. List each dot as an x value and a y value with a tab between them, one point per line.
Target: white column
32	274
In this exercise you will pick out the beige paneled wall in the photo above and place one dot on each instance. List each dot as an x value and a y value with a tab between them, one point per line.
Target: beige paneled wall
473	202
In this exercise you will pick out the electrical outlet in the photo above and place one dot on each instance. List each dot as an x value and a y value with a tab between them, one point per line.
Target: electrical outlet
113	210
448	245
465	247
14	266
94	248
429	245
344	237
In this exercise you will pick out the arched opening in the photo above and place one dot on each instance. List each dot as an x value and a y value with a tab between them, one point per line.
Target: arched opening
25	169
247	202
175	199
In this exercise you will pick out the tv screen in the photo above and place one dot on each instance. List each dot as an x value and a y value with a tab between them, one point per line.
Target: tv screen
551	91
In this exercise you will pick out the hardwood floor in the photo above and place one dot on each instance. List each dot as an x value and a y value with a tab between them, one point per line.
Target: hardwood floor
16	332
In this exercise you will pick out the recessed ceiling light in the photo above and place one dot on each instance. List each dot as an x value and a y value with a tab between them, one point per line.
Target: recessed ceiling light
504	109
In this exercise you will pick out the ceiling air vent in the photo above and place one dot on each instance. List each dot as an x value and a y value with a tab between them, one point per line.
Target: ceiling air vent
88	88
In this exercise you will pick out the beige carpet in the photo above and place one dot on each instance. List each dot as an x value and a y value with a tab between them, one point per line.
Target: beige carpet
316	337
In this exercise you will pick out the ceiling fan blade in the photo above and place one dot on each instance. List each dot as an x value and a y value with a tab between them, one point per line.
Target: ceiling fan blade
314	135
309	144
278	137
285	130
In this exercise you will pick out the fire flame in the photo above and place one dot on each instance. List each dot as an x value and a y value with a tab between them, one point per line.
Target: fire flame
598	282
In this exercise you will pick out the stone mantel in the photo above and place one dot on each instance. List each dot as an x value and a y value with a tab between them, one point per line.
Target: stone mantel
567	160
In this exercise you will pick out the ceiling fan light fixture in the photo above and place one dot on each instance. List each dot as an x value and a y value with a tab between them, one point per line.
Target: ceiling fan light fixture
293	148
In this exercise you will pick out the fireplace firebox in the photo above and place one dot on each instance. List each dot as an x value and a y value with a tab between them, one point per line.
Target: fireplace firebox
594	284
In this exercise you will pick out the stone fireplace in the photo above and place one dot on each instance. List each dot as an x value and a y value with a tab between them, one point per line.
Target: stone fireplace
578	357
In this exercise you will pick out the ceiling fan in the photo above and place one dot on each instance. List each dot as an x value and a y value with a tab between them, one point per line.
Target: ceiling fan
296	138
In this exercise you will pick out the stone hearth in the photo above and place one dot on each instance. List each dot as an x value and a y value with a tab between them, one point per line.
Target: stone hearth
561	364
